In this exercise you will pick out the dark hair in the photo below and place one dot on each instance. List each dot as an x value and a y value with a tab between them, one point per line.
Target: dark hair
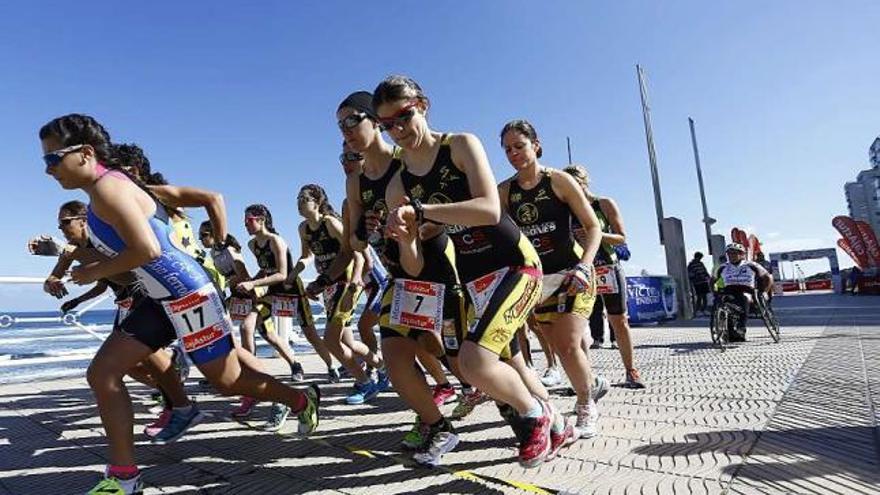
75	208
525	128
318	195
231	241
75	128
362	101
396	88
698	255
260	210
133	156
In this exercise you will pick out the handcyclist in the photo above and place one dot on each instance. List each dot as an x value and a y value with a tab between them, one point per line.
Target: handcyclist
543	201
741	279
129	226
446	179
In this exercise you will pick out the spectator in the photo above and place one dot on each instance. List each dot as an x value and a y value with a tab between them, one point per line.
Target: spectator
699	278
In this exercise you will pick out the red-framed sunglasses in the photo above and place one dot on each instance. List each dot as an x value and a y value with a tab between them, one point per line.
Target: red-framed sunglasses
400	118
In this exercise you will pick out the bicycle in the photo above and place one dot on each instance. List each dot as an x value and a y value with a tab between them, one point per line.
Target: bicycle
765	310
725	317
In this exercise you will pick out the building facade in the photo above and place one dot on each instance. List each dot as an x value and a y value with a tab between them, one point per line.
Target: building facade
863	195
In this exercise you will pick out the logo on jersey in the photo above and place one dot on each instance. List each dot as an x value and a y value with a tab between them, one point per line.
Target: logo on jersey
417	192
446	177
542	195
515	197
439	198
366	196
527	213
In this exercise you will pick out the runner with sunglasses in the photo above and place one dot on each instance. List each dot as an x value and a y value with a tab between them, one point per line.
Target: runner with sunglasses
432	435
129	226
276	286
447	180
613	292
542	202
157	371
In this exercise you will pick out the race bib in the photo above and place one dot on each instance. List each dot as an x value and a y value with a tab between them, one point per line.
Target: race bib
606	280
450	337
418	304
124	307
481	289
198	318
284	306
240	307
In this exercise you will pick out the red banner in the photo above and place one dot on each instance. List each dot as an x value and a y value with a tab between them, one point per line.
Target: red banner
739	236
870	240
754	246
842	244
824	284
848	229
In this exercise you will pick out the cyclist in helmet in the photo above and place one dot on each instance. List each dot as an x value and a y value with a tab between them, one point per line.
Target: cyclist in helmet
740	278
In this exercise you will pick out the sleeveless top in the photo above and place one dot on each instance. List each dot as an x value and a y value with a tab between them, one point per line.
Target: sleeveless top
372	196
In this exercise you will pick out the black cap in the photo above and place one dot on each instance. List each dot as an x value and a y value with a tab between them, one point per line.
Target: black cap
361	101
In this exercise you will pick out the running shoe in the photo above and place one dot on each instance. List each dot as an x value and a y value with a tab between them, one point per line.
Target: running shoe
536	432
552	377
178	424
180	363
587	418
441	440
163	419
277	417
363	392
296	372
309	417
383	381
600	387
245	409
343	372
633	380
117	486
443	393
415	437
467	402
560	439
596	345
333	375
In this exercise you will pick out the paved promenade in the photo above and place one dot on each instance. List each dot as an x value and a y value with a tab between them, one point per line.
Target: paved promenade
800	416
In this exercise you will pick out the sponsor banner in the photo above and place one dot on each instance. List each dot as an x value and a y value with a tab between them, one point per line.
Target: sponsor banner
650	299
739	236
870	240
842	244
819	284
848	229
754	246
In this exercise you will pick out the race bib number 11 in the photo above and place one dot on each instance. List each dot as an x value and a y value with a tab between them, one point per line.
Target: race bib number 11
418	304
198	318
284	306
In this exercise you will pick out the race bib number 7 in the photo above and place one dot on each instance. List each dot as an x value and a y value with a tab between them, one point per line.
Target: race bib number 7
606	280
198	318
481	289
418	304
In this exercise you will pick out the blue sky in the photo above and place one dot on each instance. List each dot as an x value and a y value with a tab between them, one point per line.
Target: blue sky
239	97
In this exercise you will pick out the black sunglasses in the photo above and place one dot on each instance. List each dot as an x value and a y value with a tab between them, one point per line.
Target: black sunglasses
351	121
54	158
64	222
350	156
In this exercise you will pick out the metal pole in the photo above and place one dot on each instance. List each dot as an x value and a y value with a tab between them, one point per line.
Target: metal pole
707	220
652	155
568	143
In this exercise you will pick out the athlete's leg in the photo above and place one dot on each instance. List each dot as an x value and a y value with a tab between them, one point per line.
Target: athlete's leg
360	349
117	355
366	324
408	383
528	376
159	365
432	365
275	341
314	339
343	353
546	346
567	335
482	369
246	330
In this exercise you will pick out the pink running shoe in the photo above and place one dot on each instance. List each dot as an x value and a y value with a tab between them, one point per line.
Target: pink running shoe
245	409
160	423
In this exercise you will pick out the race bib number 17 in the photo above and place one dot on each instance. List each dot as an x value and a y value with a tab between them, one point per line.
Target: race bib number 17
198	318
418	304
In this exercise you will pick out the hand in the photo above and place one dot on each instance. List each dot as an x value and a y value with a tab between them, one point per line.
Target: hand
69	305
579	277
54	286
246	286
401	220
373	221
43	245
85	274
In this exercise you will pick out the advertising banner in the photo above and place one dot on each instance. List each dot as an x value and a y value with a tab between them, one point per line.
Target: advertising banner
870	240
848	229
842	244
650	299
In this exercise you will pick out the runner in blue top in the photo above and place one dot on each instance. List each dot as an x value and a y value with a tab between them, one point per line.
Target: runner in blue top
127	224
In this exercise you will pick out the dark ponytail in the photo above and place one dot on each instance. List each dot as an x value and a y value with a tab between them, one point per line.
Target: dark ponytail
259	210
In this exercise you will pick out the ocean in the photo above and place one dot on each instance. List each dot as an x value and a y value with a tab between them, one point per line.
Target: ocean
39	346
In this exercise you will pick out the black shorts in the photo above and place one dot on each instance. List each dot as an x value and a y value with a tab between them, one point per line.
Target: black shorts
615	304
147	323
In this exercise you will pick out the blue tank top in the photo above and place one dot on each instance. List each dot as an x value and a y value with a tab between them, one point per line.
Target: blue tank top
173	274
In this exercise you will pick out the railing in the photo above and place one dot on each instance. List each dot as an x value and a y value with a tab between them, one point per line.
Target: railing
71	318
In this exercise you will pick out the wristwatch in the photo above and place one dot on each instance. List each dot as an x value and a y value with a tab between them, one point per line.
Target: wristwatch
419	208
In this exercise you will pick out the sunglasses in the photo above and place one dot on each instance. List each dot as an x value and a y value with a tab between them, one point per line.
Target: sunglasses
400	118
54	158
350	156
351	121
64	222
202	235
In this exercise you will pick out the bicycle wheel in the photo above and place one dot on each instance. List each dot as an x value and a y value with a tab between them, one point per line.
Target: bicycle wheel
719	327
769	318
